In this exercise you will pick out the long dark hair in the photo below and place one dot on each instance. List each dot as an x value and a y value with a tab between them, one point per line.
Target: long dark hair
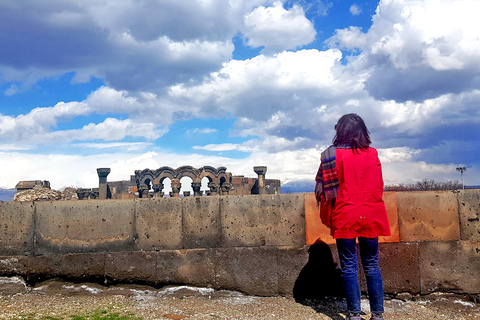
351	132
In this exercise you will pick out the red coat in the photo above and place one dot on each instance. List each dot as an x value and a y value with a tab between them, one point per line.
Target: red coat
359	210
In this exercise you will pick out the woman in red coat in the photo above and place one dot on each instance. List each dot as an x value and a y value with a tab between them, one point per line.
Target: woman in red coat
349	187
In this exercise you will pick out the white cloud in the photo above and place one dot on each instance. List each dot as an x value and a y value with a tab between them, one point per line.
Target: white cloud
39	120
218	147
270	145
355	10
125	146
278	29
109	130
14	147
350	38
401	154
412	53
260	88
132	45
196	131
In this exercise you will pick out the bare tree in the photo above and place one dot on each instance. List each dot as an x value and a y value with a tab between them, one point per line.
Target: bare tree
425	185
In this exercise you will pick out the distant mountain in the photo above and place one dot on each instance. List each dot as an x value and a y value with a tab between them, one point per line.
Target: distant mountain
7	194
299	186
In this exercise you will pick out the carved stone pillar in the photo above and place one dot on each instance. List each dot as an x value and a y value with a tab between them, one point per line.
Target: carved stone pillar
143	191
214	188
226	188
157	188
196	189
102	184
95	193
176	186
261	179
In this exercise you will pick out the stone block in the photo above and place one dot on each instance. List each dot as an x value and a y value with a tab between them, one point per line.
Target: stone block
138	266
13	285
13	265
252	271
159	224
399	266
16	228
263	220
168	262
201	222
192	267
78	266
428	216
452	266
290	262
84	226
469	211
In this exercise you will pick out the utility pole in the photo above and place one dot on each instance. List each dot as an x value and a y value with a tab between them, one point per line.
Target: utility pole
462	170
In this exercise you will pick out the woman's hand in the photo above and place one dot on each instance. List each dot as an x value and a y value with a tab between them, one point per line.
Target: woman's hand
318	191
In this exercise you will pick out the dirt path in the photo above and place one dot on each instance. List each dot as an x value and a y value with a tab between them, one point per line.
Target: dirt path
62	300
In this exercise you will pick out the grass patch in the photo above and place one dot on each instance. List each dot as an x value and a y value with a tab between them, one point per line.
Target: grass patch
104	315
108	316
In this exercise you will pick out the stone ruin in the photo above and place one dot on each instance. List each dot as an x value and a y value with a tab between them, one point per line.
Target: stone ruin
150	184
41	191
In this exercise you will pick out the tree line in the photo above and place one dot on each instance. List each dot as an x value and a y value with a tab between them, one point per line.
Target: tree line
425	185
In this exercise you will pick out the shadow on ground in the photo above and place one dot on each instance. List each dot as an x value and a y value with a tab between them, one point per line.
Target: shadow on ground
319	284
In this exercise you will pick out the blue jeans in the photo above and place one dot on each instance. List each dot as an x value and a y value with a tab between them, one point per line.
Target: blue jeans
347	252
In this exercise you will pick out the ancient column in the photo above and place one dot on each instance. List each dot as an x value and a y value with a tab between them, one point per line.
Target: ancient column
176	186
260	171
143	191
102	185
213	188
157	188
196	189
226	188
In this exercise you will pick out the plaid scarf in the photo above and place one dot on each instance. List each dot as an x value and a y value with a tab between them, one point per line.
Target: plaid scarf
327	174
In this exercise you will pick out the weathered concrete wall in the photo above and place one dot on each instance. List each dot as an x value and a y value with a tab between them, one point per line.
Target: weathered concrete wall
83	226
257	244
16	228
469	210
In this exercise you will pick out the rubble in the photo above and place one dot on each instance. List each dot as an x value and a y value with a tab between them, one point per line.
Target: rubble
46	194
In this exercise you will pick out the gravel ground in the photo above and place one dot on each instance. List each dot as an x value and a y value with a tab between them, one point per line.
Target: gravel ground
60	300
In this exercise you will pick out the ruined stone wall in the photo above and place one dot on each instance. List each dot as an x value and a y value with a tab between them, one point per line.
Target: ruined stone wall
261	245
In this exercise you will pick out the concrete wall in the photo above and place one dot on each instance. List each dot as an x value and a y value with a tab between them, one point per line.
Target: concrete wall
257	244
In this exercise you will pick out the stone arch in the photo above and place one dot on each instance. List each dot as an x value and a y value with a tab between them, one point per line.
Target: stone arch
144	180
187	187
204	185
167	186
165	172
188	171
217	178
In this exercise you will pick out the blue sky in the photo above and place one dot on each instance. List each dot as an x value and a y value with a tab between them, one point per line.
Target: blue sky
143	84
